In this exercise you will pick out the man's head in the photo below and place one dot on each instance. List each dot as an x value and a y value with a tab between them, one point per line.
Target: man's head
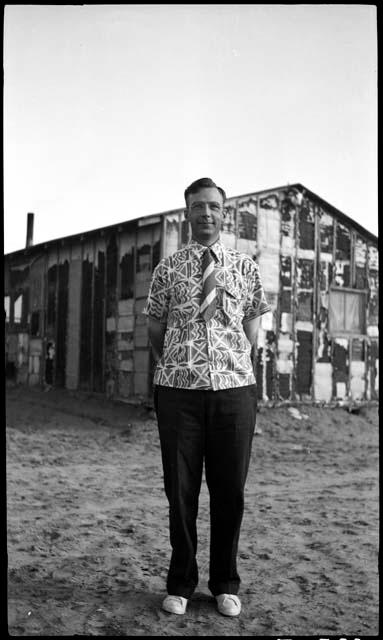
205	210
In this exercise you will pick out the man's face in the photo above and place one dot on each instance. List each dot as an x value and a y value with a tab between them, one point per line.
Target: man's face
205	214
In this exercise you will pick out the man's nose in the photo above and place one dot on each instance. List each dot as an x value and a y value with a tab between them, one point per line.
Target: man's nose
205	208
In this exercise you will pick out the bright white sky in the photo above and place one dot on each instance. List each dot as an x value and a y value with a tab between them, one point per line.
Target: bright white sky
110	111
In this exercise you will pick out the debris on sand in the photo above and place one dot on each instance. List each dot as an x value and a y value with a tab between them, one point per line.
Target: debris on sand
297	414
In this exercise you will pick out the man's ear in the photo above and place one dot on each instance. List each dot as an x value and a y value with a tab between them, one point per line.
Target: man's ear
186	214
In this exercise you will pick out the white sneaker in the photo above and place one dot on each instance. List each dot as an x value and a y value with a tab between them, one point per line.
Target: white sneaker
228	604
175	604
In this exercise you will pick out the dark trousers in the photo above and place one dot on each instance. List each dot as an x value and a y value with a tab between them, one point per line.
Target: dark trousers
218	427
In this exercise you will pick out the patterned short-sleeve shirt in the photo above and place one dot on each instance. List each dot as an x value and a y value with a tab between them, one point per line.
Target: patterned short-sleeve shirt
197	354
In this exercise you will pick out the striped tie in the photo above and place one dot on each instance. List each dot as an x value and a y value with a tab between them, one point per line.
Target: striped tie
208	302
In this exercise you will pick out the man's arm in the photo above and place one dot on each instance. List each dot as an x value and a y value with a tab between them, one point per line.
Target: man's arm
250	328
156	330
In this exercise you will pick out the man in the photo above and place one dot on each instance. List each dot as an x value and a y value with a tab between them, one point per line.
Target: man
203	309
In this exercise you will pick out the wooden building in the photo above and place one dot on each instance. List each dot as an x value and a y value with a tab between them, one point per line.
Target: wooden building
74	305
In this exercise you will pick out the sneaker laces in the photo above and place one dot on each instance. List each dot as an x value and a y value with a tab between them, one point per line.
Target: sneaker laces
232	597
179	598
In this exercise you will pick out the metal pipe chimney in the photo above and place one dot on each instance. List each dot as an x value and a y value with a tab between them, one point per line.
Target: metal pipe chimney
30	221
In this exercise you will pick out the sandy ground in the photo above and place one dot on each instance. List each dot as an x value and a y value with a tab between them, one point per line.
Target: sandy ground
88	545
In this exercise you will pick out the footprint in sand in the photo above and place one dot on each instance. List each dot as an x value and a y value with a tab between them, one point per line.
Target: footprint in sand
96	623
303	583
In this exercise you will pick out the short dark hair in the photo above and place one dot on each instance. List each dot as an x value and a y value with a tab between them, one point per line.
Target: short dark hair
202	183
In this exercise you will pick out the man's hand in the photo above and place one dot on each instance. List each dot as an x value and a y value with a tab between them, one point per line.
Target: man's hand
250	328
156	330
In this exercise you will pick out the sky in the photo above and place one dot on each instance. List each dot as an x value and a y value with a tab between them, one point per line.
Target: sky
111	111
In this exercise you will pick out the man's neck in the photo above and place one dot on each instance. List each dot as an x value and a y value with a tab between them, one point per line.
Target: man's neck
209	243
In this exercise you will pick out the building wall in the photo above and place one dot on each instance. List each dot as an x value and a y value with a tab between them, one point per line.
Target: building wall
85	296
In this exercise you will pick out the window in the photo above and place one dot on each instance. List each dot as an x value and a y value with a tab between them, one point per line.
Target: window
18	309
347	311
7	307
127	276
144	258
35	323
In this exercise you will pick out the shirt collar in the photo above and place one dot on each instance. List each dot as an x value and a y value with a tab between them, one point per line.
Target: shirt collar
217	248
